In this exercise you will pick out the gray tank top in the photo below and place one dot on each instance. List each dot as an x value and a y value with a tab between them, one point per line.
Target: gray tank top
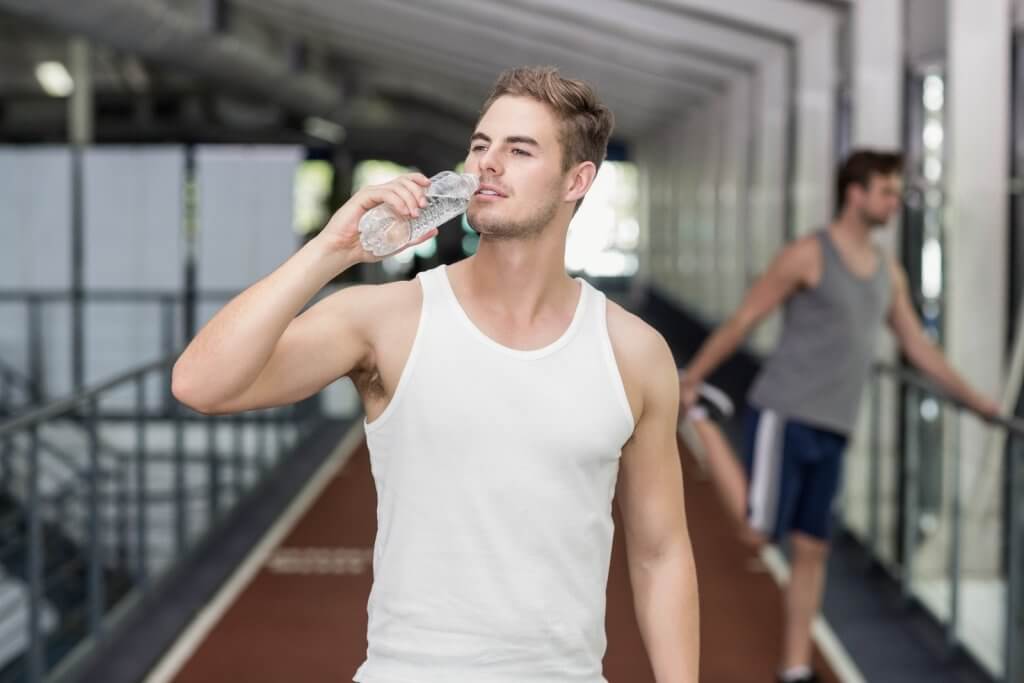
817	372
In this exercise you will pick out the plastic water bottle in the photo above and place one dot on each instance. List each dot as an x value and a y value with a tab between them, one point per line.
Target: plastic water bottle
383	232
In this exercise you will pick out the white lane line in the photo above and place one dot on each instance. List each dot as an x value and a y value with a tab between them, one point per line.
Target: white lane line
822	634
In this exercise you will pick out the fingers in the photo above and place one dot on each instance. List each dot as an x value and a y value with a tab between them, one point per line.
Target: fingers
419	179
411	195
405	194
423	238
687	398
417	184
387	195
399	201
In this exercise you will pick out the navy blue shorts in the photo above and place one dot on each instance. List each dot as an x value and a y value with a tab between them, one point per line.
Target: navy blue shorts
793	470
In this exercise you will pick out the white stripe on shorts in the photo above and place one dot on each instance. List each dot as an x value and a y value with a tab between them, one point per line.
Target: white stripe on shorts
766	472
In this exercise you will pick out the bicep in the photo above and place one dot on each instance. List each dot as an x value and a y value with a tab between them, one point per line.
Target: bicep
322	344
902	317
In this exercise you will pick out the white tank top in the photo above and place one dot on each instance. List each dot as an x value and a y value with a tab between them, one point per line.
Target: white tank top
495	471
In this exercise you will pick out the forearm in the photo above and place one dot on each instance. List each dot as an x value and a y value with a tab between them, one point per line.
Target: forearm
229	352
667	611
722	343
930	361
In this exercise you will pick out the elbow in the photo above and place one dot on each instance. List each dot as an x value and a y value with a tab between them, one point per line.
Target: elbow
667	552
187	390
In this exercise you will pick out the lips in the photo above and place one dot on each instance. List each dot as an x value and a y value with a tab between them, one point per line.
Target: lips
488	190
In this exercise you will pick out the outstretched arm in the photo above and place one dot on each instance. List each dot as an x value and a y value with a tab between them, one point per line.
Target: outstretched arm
925	356
660	557
792	268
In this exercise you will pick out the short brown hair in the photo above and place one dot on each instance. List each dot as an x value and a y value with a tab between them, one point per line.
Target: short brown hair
860	166
586	122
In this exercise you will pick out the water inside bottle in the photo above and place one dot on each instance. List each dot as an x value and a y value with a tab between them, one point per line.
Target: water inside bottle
439	209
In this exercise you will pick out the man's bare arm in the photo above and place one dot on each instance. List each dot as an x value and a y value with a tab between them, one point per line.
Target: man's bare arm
660	557
791	269
925	356
255	352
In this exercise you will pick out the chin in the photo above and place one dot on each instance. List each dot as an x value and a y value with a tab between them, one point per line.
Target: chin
486	223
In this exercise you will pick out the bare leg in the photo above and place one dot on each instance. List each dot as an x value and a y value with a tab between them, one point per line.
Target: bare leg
803	598
725	469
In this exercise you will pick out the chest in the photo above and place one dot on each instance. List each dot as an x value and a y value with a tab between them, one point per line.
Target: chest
842	301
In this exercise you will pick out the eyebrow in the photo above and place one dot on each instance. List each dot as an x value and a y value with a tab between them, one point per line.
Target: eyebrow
511	140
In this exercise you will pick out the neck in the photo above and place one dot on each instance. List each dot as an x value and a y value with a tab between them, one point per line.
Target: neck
519	277
851	228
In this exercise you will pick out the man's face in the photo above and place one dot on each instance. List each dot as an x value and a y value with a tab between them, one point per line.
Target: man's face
516	152
881	200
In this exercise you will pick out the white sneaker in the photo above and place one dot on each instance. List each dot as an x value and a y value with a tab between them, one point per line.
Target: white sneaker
712	403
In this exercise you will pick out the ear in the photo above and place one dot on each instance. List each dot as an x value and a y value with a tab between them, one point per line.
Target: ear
579	179
855	193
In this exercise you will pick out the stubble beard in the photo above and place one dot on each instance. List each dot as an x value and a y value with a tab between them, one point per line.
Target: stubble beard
496	228
873	221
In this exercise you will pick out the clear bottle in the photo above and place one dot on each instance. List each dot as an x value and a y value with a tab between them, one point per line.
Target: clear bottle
383	232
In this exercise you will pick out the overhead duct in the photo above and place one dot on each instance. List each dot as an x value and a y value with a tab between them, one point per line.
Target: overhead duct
152	29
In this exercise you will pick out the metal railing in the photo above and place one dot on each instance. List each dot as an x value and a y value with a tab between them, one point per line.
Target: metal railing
96	504
36	310
923	549
17	390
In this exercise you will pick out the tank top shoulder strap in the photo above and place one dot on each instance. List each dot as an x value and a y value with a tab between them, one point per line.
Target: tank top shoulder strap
434	290
597	305
828	247
598	318
884	275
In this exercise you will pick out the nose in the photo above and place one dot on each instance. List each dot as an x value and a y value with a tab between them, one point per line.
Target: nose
490	162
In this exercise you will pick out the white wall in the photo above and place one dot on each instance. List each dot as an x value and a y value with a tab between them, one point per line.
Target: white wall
245	209
133	242
35	254
712	192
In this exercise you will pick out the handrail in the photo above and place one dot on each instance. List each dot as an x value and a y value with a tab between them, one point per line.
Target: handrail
7	370
1012	424
906	535
115	544
65	405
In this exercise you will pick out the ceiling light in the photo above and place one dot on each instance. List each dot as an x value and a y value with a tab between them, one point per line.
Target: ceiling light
54	79
324	129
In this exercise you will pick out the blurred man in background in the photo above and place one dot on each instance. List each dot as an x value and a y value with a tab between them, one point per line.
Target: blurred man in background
838	288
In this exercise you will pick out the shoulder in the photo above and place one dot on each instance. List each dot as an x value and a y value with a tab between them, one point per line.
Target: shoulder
631	334
799	261
369	306
802	252
896	272
897	276
644	358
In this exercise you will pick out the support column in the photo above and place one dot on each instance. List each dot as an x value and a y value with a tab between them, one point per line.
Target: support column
978	104
80	133
877	73
815	109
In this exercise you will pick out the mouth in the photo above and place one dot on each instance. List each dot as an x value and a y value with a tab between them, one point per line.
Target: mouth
491	191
